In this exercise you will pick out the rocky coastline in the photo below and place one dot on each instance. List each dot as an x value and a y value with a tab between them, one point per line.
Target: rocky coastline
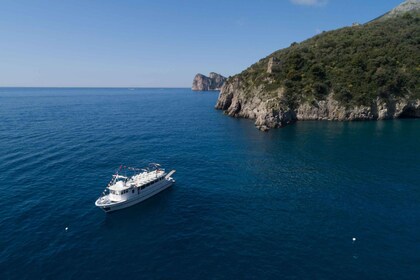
270	113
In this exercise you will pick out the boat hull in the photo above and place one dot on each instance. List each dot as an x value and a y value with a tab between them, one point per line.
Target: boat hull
135	200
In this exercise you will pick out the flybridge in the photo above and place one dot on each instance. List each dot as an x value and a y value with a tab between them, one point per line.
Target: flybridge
125	190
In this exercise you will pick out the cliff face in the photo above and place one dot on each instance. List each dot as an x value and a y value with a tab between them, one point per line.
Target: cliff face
273	113
365	72
213	82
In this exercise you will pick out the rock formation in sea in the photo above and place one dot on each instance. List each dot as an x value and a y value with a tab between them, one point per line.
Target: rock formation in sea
213	82
363	72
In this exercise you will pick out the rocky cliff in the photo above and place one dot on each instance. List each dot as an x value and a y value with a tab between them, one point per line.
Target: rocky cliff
213	82
273	113
364	72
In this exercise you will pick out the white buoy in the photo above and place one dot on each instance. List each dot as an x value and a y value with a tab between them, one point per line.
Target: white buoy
67	228
354	239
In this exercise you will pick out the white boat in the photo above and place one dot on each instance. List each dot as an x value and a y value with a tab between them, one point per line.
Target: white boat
124	191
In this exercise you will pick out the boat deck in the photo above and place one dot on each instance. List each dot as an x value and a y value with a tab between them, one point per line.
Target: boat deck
144	178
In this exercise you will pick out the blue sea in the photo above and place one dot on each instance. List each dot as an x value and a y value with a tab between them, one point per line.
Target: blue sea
246	205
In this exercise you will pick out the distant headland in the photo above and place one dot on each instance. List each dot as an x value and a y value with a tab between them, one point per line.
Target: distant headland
203	83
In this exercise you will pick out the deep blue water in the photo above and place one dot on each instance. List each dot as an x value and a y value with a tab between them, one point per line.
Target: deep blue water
247	205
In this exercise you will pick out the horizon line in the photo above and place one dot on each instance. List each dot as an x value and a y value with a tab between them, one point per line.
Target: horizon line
88	87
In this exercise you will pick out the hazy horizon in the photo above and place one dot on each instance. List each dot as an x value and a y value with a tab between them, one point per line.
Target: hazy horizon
127	87
156	45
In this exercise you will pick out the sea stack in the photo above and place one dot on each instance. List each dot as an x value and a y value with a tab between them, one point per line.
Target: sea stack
203	83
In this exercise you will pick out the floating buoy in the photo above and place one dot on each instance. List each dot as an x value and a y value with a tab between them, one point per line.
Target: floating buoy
354	239
66	228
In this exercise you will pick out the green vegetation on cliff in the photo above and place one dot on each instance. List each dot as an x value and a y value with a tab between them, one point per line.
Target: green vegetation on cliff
358	64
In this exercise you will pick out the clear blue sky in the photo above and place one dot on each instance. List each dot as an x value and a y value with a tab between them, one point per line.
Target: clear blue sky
156	43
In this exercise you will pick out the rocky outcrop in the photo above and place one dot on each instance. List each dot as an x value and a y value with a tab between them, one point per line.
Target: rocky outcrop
203	83
406	6
274	112
235	100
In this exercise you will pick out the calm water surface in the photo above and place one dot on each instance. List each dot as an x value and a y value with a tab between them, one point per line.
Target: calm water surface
247	205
